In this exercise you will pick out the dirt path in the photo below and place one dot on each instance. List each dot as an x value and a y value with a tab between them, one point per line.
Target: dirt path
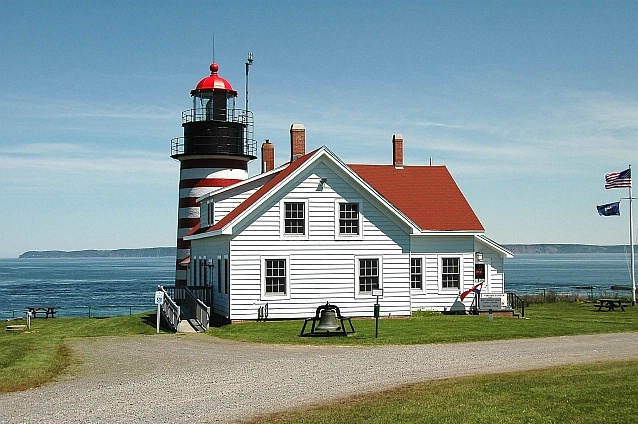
174	378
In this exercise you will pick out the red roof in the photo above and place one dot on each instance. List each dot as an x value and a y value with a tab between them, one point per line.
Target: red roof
428	195
213	83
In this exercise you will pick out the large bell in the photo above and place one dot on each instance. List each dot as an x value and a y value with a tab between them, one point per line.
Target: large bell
328	321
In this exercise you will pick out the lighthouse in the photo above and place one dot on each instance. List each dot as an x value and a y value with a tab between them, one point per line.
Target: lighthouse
213	153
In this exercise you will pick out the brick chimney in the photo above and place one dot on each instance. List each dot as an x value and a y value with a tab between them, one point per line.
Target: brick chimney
297	141
397	150
267	156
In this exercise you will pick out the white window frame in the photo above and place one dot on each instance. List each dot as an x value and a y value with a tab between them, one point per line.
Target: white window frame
422	288
459	257
357	259
337	227
275	296
282	219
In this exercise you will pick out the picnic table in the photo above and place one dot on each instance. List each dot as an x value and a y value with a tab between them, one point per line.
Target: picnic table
47	311
610	304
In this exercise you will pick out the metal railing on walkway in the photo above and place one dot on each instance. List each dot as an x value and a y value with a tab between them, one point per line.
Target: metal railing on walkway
192	306
170	310
516	303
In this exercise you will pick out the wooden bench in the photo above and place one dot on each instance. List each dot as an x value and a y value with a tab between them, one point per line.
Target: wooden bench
47	311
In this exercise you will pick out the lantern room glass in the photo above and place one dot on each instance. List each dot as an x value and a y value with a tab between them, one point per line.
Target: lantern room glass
213	106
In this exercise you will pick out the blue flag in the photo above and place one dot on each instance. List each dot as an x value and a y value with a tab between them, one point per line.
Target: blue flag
609	209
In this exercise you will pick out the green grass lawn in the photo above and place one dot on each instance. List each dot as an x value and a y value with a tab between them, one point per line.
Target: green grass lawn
29	359
542	320
598	393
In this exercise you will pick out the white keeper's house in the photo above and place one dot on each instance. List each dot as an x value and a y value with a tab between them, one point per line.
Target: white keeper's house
318	230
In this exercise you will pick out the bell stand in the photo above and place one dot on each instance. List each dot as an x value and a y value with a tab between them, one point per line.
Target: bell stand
343	332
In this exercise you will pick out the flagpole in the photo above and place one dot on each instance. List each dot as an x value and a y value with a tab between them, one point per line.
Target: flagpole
631	240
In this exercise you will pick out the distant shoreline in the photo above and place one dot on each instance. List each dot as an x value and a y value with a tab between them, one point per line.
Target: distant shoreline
517	249
148	252
557	248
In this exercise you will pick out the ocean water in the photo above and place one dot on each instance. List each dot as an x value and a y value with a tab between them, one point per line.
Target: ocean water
83	286
119	286
568	273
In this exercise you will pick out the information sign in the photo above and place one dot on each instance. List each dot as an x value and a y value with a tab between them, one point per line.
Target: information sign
493	303
159	297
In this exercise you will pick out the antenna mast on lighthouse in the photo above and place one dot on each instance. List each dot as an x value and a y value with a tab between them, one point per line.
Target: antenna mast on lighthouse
249	62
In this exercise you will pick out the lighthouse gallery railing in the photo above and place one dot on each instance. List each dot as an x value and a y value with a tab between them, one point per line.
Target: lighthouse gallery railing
240	144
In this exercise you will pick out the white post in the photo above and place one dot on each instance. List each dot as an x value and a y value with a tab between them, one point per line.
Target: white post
159	299
631	241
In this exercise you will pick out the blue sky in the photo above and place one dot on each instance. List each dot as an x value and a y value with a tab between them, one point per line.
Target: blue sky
529	104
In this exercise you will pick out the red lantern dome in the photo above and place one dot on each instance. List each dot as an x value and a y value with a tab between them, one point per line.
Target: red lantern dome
213	83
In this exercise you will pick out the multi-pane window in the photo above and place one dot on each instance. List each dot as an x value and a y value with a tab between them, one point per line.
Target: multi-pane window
368	275
275	276
294	219
450	273
348	218
416	273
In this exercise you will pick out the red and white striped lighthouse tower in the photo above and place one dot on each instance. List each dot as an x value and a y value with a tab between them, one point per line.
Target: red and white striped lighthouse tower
213	153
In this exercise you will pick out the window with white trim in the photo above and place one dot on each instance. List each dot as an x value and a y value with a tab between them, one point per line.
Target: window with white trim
368	275
275	277
451	273
348	219
294	219
416	273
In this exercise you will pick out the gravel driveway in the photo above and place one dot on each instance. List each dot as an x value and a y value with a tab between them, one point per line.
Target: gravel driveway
174	378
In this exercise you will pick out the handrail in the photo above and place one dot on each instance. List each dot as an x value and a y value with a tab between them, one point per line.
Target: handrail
202	312
170	310
240	116
516	303
225	144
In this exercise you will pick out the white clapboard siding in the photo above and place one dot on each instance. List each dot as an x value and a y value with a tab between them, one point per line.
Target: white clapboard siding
434	297
211	248
495	280
228	200
322	268
322	265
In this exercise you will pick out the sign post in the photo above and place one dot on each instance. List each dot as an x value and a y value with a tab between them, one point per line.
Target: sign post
377	310
159	299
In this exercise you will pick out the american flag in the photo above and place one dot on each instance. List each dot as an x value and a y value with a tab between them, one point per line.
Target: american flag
618	179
